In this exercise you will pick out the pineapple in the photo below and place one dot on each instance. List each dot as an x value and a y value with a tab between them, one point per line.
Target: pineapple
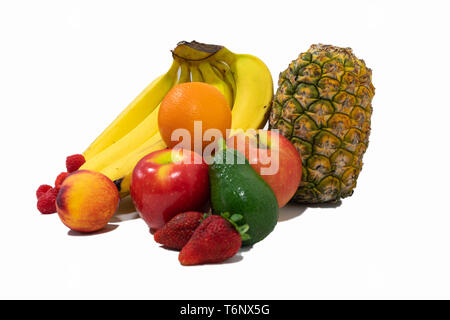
323	106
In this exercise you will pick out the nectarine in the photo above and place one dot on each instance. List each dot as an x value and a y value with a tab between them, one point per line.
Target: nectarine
86	201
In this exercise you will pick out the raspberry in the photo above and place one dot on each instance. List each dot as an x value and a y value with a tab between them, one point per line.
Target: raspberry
59	179
74	162
43	188
47	202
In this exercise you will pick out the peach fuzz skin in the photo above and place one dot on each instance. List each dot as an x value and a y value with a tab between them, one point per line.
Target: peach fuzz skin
86	201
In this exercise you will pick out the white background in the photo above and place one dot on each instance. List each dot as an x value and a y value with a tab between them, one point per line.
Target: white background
67	68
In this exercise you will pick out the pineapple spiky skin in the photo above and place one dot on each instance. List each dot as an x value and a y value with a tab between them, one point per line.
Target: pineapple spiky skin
323	105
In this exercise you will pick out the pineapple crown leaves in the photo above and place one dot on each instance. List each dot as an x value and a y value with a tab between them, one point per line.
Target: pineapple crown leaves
237	220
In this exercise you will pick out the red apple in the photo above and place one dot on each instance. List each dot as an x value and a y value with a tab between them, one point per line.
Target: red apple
167	182
274	157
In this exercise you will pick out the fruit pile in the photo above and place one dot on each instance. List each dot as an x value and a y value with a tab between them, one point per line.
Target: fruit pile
201	172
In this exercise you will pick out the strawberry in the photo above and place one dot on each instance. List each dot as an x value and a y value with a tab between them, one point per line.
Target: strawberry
177	232
217	239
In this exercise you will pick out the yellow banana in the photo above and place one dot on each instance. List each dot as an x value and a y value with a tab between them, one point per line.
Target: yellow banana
128	143
252	80
254	90
185	74
227	75
210	77
120	170
219	74
196	74
136	111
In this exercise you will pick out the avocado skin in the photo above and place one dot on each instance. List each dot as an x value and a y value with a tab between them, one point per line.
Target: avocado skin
237	188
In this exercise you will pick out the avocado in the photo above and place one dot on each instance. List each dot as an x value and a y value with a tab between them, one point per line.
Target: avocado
237	188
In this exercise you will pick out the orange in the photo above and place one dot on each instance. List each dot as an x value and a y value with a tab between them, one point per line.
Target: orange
189	102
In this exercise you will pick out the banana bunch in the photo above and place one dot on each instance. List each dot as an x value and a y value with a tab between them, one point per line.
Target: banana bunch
243	79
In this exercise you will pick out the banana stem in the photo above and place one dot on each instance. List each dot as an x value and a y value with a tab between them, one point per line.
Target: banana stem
196	74
194	51
174	67
185	75
226	55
